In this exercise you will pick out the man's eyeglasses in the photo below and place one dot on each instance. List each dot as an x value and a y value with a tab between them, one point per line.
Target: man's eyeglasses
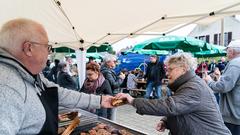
49	45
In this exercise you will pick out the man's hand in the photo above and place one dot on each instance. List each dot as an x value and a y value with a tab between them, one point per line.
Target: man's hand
106	101
125	96
161	126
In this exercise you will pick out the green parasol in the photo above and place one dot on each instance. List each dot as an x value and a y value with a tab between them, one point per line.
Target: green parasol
187	44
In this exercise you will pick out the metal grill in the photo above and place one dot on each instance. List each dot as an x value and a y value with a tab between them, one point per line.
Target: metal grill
89	120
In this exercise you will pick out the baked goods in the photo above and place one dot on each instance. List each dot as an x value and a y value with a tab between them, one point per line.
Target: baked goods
67	122
72	126
104	129
67	116
118	102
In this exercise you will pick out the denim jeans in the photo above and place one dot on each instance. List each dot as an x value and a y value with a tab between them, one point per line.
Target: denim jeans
149	90
235	129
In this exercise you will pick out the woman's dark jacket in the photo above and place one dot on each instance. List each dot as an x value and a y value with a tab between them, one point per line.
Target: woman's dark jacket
66	81
105	89
192	110
114	80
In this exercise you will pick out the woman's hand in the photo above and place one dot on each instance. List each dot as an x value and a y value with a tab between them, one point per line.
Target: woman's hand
161	126
125	96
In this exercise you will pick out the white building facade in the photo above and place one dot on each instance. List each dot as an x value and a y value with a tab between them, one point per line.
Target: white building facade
212	33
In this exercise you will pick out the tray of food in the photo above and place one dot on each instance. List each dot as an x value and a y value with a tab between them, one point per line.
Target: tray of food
93	125
104	129
66	118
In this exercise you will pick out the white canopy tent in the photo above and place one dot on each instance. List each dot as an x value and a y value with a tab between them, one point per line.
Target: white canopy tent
80	23
110	21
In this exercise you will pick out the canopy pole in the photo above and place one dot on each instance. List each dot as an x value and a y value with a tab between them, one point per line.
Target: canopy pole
58	4
81	62
219	12
201	18
165	16
102	38
175	17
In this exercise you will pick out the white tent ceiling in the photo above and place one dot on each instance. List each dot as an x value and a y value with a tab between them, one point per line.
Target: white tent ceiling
94	19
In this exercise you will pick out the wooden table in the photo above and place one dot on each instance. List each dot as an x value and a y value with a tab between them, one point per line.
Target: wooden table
141	88
140	81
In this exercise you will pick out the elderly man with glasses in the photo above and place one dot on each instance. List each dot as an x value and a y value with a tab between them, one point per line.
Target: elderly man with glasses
191	110
29	102
229	88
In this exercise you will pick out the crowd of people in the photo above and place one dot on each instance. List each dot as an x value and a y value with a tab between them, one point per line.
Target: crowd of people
101	79
31	92
205	66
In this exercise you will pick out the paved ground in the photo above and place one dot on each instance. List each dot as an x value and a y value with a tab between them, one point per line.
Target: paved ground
127	115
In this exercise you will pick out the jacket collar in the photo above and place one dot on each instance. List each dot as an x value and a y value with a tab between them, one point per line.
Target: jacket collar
181	80
105	67
8	59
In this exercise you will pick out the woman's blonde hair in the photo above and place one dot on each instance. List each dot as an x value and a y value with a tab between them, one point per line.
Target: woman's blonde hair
182	59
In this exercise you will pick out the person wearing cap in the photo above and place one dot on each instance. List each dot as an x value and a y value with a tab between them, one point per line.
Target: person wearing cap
154	74
229	88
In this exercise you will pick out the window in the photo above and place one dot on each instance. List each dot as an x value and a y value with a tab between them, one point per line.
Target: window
207	38
219	39
225	39
202	38
229	37
215	40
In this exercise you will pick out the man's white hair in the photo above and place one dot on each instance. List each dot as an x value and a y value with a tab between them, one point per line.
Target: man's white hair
109	57
14	32
236	50
182	59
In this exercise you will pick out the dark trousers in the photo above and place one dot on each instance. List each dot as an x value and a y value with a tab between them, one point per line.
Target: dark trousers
235	129
109	113
102	112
